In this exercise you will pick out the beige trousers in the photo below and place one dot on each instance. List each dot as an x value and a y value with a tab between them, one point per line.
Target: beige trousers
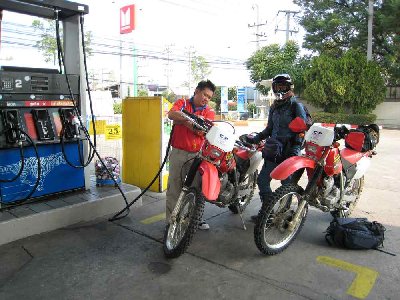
179	165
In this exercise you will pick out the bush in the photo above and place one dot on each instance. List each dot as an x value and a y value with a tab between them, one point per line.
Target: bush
117	108
252	108
324	117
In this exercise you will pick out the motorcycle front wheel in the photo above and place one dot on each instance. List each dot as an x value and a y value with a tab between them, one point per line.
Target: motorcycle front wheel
179	233
272	233
243	202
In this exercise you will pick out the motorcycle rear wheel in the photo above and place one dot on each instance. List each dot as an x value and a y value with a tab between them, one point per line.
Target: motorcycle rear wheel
356	189
179	234
271	232
252	182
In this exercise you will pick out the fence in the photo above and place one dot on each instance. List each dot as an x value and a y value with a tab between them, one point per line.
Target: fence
108	135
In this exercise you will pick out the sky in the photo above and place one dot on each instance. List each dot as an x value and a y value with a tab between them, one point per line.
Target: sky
215	29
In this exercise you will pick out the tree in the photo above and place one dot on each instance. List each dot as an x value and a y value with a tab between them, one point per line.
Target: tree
143	91
199	70
336	26
232	95
169	95
217	99
48	43
271	60
349	84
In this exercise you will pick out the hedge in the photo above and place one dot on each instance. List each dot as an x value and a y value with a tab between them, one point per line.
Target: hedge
324	117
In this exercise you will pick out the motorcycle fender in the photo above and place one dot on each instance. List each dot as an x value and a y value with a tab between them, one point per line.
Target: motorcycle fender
291	165
362	167
255	161
210	184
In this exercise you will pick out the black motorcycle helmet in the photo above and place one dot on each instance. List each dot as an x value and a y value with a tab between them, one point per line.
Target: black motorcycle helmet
281	86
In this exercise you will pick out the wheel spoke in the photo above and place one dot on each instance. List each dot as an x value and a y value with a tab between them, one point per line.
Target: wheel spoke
274	232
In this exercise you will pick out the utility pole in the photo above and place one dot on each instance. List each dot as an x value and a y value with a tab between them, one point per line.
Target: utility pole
190	52
370	19
288	30
167	71
258	35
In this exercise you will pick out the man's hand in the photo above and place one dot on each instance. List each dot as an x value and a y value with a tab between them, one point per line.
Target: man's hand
198	132
251	140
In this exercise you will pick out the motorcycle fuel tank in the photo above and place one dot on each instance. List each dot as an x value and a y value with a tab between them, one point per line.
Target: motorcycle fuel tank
221	138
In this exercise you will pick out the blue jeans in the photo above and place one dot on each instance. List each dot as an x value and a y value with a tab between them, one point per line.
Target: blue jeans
264	179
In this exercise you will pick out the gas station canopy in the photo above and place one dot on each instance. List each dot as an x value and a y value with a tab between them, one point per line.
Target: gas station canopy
45	8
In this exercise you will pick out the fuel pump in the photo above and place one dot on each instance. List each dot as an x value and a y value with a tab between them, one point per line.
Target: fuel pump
39	123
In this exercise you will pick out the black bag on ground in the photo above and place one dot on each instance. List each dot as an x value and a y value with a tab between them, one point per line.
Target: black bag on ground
355	233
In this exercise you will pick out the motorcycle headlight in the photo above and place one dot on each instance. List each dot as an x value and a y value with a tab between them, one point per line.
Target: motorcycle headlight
215	153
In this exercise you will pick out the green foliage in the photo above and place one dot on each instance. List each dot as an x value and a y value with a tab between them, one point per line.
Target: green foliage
251	108
232	107
232	95
340	118
272	60
217	99
48	43
143	91
117	108
333	27
169	95
213	105
346	84
200	68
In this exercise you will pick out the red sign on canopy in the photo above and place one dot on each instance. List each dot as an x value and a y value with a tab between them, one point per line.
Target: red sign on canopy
127	19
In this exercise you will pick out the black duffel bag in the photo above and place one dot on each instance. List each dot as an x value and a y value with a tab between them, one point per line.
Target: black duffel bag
355	233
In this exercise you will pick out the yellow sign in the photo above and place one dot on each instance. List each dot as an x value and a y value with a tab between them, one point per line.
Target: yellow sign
100	127
113	132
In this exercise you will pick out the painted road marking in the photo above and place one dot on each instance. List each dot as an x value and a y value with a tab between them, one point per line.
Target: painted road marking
154	219
365	277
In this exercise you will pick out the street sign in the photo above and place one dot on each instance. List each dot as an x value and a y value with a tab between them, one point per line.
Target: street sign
113	132
224	99
127	19
241	98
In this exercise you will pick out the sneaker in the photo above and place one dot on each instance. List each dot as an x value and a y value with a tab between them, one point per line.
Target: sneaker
203	226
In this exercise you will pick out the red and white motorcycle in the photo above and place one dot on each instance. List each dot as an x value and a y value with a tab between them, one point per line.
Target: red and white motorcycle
224	173
335	182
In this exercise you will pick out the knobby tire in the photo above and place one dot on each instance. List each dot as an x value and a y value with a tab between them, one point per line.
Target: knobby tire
193	217
272	217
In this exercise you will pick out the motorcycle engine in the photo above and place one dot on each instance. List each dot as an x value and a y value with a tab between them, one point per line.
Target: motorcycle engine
227	190
330	193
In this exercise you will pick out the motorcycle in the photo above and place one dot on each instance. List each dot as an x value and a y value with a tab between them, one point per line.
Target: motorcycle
335	181
223	173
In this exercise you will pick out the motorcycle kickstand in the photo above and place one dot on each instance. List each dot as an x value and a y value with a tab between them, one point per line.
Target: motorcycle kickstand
241	217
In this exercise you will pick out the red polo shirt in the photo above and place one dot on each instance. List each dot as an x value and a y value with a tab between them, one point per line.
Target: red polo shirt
183	138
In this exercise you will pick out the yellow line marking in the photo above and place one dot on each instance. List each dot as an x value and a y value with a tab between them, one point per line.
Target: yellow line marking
153	219
365	277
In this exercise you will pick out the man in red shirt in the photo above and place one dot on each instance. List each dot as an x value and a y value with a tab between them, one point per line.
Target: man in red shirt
186	141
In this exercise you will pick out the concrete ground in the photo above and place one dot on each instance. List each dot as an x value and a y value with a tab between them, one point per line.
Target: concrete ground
124	259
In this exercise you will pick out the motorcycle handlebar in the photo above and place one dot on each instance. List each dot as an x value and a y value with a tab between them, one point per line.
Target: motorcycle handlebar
199	123
340	132
245	146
